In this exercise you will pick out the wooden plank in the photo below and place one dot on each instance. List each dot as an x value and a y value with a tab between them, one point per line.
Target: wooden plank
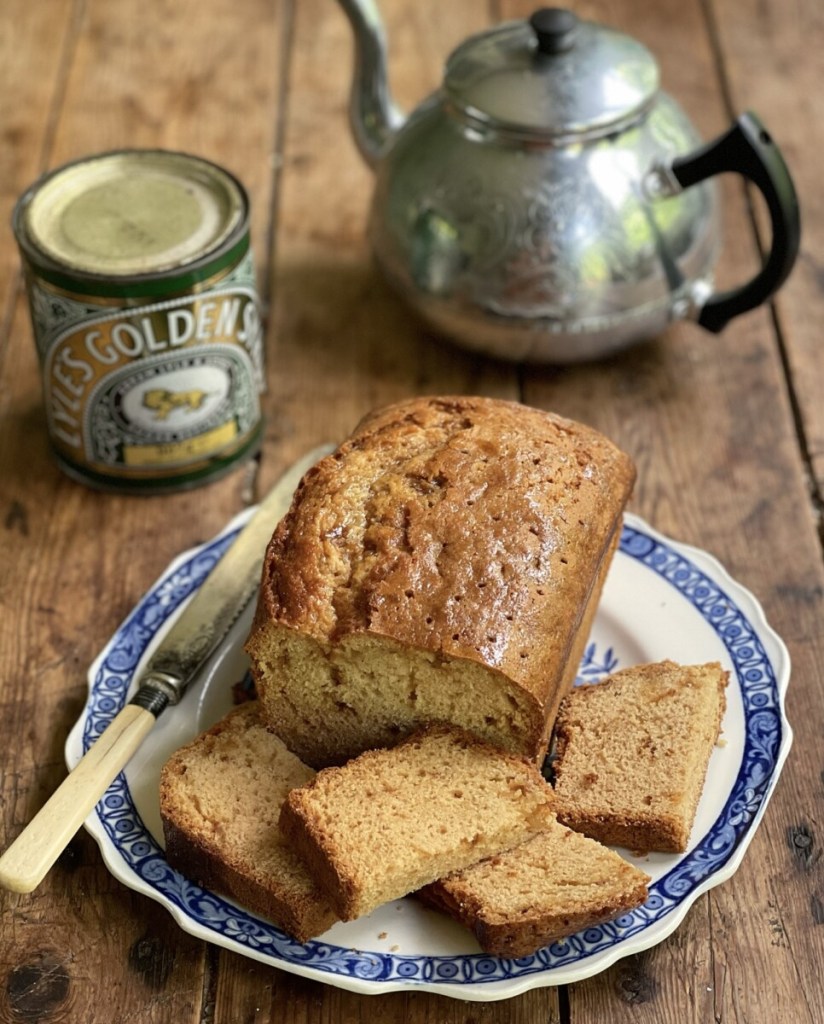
709	424
715	469
33	62
257	994
771	60
343	345
33	59
182	76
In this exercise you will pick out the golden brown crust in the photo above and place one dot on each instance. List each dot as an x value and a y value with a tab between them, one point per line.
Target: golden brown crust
319	856
302	919
470	529
663	833
451	497
579	641
507	940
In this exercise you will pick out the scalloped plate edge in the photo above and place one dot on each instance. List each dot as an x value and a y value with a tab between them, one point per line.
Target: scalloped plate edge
501	988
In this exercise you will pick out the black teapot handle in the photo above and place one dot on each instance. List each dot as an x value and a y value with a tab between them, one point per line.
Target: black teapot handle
748	149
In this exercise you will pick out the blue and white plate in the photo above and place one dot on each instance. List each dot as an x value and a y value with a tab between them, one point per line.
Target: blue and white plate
661	600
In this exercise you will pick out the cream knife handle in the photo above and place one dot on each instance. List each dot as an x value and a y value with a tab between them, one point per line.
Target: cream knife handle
25	863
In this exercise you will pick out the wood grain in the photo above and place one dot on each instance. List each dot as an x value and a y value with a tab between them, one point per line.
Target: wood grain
113	83
771	60
709	424
725	432
342	344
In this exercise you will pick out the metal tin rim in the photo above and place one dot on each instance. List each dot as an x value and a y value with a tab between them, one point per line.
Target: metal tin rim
114	284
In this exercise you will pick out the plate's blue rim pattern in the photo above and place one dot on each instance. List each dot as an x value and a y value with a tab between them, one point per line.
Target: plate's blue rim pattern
762	748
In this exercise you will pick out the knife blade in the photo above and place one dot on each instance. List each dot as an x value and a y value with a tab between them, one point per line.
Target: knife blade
198	631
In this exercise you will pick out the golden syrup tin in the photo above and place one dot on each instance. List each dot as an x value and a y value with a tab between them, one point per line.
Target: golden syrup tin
146	318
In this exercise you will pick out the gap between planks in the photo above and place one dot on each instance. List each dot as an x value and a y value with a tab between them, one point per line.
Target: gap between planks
266	270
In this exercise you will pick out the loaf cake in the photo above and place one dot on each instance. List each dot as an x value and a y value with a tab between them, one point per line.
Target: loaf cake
554	884
632	753
443	564
394	820
220	797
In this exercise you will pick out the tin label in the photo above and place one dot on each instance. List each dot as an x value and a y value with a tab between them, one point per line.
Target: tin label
152	390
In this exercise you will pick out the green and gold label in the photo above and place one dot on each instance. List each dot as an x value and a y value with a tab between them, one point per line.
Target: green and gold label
151	391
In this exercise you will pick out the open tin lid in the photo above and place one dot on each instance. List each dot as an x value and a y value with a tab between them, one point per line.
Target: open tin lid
553	75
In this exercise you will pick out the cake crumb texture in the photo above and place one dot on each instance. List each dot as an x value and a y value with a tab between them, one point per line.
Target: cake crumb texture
391	821
220	798
551	886
633	750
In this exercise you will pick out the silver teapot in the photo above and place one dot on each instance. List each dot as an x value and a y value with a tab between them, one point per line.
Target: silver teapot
549	202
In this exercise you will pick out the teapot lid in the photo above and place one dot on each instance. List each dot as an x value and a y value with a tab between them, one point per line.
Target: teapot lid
553	75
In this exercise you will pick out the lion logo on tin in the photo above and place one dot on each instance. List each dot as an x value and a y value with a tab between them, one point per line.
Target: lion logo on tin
163	403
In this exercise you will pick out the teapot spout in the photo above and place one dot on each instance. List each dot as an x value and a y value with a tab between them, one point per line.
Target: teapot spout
373	115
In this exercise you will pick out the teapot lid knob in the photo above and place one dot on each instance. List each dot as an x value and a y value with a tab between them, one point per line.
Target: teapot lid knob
554	76
555	29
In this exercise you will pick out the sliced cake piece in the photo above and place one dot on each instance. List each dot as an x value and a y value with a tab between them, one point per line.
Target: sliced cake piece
391	821
220	797
632	753
551	886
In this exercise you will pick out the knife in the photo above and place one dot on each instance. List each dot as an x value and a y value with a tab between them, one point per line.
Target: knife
204	623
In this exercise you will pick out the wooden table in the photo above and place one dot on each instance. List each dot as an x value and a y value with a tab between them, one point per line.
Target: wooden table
727	432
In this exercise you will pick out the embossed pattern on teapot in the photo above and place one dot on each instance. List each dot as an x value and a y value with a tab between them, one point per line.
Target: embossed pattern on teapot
549	202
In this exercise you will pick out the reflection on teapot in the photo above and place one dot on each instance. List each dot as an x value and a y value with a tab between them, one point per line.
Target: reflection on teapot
549	202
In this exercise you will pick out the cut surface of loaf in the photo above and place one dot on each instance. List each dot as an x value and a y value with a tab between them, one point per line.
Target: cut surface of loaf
633	750
391	821
551	886
442	565
220	798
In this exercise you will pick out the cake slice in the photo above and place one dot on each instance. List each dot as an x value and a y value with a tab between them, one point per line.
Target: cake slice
220	797
553	885
632	753
393	820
